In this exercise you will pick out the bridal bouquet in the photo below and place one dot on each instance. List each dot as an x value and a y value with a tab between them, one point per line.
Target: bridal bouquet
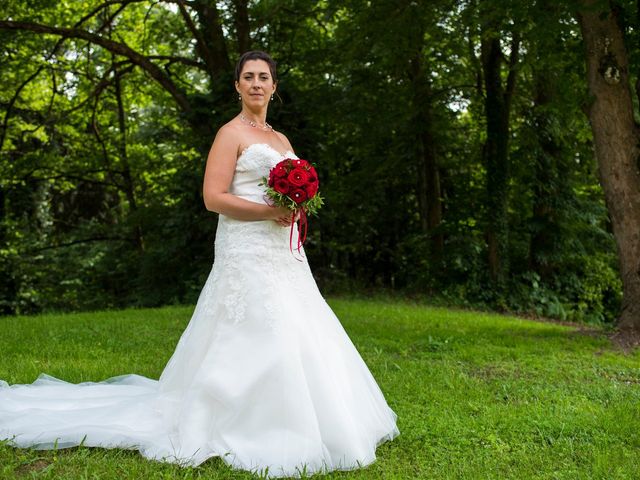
293	183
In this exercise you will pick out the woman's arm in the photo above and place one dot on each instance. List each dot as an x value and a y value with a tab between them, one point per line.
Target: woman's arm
221	164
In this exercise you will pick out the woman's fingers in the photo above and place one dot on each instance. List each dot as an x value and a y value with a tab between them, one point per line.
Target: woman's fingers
285	220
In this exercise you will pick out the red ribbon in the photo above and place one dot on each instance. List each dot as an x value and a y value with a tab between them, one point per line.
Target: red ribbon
302	223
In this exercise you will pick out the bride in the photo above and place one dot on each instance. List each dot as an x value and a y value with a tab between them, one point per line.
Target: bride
264	375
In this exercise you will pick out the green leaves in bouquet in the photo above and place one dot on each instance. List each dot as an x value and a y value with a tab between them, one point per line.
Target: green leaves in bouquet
311	206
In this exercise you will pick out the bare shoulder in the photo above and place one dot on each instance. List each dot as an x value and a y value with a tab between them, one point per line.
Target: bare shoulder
283	138
228	138
229	129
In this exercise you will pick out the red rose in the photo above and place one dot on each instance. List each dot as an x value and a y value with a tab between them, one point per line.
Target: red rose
298	162
298	195
313	176
298	177
311	188
272	179
279	171
281	186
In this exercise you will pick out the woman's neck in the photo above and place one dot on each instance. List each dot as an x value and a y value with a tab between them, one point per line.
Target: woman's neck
258	117
254	122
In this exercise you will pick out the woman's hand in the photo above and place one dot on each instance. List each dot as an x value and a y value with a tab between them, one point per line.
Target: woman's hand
282	216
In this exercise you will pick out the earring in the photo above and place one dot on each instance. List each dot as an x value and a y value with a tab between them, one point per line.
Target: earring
272	97
239	97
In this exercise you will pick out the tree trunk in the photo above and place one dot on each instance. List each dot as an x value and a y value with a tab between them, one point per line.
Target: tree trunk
243	28
546	186
496	157
429	191
8	287
124	161
213	36
551	190
616	138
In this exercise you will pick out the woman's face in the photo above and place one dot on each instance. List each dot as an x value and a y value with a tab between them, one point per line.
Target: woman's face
256	83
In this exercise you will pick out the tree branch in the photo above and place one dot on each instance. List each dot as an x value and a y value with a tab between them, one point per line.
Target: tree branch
14	98
80	178
7	115
513	63
101	86
201	45
174	59
477	66
115	47
106	4
96	131
82	240
212	32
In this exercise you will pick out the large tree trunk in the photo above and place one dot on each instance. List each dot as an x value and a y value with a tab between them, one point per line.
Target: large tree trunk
243	27
496	159
616	138
496	148
213	36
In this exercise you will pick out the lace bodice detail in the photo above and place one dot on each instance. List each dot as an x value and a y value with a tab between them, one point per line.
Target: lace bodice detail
253	164
259	239
261	244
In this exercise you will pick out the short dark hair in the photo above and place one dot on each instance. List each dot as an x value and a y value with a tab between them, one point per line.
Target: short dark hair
256	55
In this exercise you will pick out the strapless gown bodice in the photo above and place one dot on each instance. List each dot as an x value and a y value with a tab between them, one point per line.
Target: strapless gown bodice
252	165
256	238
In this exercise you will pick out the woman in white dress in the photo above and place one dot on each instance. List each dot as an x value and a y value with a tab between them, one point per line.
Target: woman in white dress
264	375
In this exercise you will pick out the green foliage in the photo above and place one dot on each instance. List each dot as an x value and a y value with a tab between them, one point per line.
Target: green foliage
310	206
100	209
477	395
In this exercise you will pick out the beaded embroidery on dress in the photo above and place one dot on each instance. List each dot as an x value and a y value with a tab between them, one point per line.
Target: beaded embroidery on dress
264	375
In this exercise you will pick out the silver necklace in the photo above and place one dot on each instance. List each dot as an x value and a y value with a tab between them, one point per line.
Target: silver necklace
266	126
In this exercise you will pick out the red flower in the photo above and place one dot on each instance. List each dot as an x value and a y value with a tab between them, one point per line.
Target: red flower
293	184
298	177
279	171
298	195
281	186
311	189
298	162
313	176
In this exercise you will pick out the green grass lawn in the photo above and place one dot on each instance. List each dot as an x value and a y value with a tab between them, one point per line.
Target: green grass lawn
478	396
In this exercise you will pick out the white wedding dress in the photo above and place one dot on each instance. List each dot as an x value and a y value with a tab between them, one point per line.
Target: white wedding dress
264	375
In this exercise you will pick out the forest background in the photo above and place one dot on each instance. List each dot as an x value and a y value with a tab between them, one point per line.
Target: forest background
460	145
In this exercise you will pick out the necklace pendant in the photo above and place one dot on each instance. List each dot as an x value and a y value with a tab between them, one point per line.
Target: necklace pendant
266	126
